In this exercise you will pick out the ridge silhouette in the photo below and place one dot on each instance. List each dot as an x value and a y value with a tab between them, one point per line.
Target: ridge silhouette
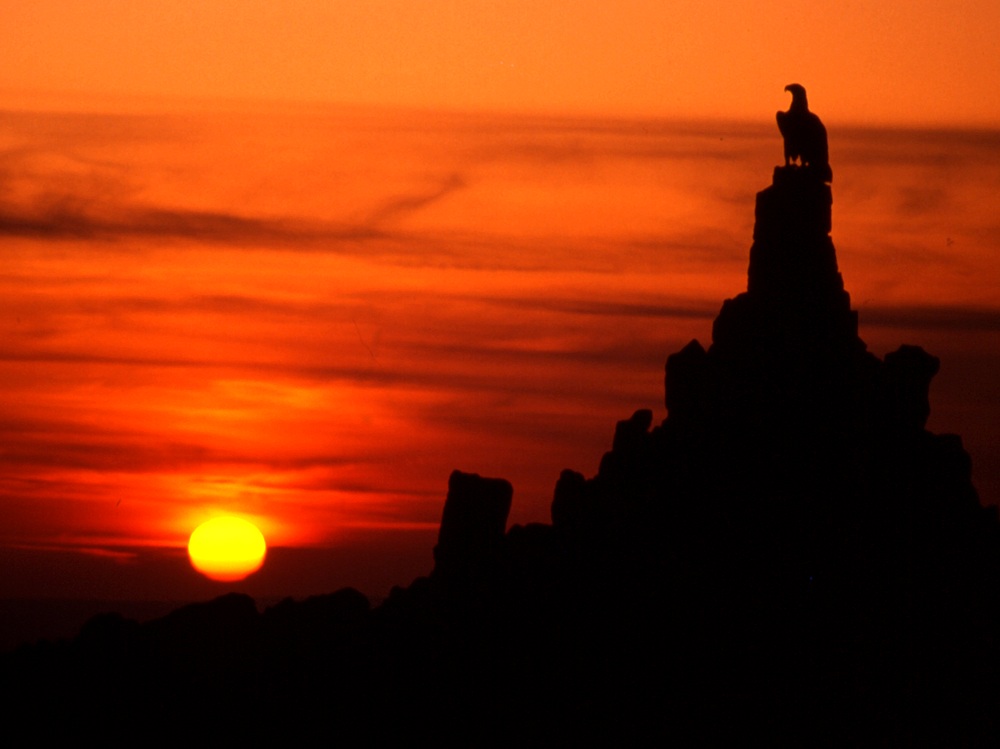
789	557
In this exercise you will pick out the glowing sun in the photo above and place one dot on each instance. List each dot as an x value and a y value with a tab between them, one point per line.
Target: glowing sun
227	548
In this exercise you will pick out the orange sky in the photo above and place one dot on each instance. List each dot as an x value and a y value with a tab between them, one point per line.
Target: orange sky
311	314
310	318
902	61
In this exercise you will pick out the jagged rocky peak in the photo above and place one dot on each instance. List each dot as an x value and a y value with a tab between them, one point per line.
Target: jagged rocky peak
795	293
795	304
792	250
787	349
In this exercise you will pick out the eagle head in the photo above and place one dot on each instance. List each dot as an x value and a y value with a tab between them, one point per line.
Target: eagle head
798	95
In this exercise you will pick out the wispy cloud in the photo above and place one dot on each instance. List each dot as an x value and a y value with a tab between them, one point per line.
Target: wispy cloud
326	328
959	319
64	219
402	205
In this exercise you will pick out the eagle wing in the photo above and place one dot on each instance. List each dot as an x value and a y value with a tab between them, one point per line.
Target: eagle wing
783	122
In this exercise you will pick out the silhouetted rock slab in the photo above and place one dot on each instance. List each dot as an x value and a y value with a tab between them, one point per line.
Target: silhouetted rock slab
906	380
473	524
795	294
630	434
687	385
568	502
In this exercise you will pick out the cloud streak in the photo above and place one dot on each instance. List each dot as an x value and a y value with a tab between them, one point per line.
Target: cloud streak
953	318
64	219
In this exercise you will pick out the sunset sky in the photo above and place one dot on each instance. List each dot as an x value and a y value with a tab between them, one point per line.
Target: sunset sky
298	261
869	61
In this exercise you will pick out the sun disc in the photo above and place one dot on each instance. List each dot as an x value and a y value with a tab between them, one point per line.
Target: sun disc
227	548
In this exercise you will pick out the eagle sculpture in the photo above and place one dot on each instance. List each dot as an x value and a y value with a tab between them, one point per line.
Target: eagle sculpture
805	136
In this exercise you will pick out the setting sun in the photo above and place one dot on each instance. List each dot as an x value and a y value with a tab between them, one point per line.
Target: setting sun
227	548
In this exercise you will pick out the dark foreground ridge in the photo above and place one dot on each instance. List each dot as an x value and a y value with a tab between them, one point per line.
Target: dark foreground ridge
789	558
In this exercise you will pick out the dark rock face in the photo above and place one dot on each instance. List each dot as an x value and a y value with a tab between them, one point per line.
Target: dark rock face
834	515
472	525
789	556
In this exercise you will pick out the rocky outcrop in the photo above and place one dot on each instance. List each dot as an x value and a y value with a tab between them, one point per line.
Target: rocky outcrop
472	527
788	556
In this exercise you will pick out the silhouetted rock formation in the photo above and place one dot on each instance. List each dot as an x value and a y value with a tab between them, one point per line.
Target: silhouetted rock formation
472	526
790	558
787	348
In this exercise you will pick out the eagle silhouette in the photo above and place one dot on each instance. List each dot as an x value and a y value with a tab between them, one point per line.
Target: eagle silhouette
804	134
